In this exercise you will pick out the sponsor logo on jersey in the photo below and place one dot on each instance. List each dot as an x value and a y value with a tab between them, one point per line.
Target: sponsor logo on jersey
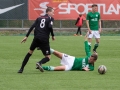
47	52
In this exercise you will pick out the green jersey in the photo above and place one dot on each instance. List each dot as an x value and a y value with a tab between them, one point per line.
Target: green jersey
93	20
80	63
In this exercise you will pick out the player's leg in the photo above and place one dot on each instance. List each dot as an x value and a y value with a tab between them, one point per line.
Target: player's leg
96	45
52	68
26	58
97	38
67	62
80	32
56	53
77	31
90	39
45	48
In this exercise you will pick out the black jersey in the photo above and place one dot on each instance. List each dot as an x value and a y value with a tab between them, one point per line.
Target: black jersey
43	27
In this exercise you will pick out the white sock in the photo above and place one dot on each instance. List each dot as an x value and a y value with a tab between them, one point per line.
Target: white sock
51	68
51	50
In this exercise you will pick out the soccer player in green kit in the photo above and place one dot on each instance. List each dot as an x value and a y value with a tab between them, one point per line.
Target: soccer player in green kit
70	63
93	22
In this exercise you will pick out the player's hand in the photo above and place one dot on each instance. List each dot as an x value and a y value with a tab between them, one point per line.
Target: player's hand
95	53
89	31
24	40
100	30
53	38
86	69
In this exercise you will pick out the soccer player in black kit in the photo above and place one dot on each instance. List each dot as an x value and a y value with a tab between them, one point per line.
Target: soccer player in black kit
43	28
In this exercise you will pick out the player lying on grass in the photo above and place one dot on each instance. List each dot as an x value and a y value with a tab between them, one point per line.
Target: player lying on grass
72	63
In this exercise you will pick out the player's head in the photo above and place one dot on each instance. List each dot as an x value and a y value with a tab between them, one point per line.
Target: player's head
50	11
93	58
80	15
94	7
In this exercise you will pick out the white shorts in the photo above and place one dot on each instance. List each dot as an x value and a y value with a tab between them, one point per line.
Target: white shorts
94	34
67	61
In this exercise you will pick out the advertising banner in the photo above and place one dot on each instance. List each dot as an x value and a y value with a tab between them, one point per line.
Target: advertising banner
69	9
13	9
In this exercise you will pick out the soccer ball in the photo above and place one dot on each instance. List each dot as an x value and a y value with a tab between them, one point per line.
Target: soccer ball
102	69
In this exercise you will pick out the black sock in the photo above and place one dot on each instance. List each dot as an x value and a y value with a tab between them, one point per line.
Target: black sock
96	46
44	60
25	60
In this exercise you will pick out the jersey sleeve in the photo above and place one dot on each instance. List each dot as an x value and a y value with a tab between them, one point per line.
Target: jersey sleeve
31	28
87	49
77	20
51	30
99	17
51	26
87	16
91	68
51	23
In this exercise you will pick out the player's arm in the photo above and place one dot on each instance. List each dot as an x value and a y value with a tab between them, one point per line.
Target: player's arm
86	69
82	20
87	47
52	34
91	68
77	21
51	28
31	28
29	31
100	28
87	23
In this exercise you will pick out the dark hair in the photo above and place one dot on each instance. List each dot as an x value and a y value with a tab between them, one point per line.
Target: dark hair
94	5
80	15
49	9
95	56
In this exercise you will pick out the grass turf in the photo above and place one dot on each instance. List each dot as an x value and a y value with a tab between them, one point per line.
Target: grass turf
12	53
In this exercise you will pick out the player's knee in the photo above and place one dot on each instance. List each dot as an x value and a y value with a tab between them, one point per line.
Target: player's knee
30	52
97	42
48	56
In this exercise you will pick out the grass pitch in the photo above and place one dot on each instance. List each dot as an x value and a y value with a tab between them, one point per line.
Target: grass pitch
12	53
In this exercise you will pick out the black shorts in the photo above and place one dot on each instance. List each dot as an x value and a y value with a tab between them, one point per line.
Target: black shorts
42	44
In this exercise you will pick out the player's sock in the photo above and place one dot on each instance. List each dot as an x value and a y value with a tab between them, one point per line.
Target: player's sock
25	60
48	68
51	50
44	60
95	46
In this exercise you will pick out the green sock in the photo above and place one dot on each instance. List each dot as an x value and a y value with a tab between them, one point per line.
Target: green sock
51	50
48	68
96	46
